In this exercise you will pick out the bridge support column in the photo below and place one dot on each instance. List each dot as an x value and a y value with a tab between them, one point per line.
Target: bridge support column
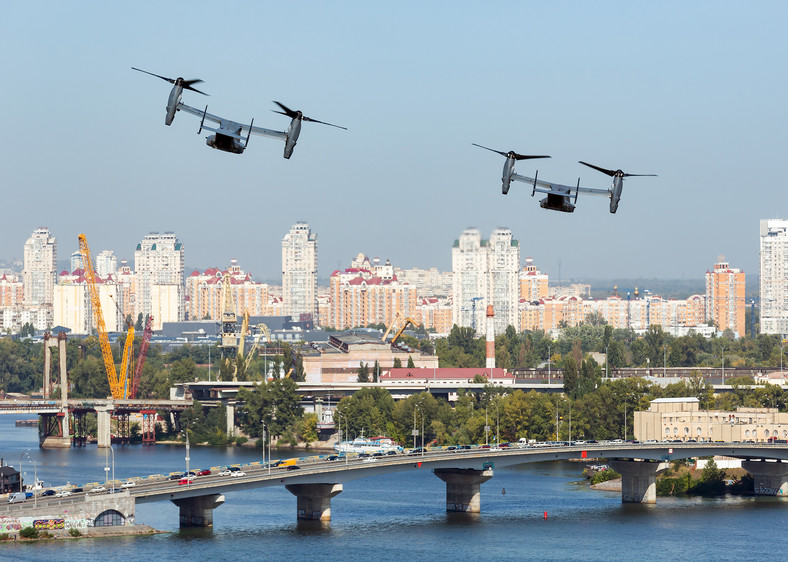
313	501
103	430
230	414
769	478
198	511
463	487
638	480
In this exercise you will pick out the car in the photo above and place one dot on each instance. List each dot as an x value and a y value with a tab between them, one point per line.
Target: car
177	476
234	468
295	467
63	494
114	490
451	448
332	458
237	473
185	481
225	472
77	491
363	455
416	451
463	447
484	447
391	452
98	489
128	484
370	459
47	493
495	449
378	454
204	472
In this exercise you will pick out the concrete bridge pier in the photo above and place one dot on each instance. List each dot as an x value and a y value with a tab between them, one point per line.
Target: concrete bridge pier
104	430
769	478
463	487
198	511
313	501
638	479
230	415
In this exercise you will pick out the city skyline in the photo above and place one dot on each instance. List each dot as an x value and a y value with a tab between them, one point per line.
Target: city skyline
690	92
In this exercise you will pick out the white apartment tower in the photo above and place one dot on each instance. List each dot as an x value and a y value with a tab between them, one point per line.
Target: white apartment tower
40	268
106	263
486	273
774	276
503	267
299	271
158	268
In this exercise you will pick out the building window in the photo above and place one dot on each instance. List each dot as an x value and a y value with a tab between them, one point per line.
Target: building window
667	431
766	433
686	431
747	433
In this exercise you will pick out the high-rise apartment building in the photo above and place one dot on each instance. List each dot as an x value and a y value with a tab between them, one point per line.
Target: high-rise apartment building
486	273
106	263
299	271
774	276
40	268
205	292
158	268
725	297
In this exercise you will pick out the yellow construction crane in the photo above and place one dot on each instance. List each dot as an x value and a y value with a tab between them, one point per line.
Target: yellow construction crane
408	320
263	331
117	385
391	326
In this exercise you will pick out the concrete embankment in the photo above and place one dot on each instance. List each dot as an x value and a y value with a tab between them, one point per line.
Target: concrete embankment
608	485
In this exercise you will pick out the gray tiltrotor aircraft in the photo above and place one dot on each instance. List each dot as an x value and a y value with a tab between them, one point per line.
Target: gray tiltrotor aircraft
508	167
229	135
559	197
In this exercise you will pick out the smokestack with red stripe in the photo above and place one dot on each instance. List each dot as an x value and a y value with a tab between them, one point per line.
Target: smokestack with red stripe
490	338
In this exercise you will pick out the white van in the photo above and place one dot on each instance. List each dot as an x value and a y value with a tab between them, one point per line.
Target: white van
16	497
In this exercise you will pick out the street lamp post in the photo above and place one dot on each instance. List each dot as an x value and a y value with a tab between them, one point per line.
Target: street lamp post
607	361
549	357
435	364
187	452
486	427
723	364
664	361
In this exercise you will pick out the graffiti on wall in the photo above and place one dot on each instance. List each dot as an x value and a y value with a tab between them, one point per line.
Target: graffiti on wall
9	524
49	524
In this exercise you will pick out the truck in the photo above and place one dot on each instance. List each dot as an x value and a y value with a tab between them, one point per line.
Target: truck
19	497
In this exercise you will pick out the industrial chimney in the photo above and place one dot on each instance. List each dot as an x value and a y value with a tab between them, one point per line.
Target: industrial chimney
490	364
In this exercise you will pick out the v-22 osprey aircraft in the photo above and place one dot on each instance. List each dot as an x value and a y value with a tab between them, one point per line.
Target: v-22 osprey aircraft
229	135
559	196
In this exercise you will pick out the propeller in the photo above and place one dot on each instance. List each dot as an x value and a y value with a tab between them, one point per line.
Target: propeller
185	84
299	115
613	173
510	154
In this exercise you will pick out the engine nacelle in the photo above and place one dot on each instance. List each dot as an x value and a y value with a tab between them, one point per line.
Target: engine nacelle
293	133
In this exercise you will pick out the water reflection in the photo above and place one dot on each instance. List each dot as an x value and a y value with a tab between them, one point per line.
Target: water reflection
312	528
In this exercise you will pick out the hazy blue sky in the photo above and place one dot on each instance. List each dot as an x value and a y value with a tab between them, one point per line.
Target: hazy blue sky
692	91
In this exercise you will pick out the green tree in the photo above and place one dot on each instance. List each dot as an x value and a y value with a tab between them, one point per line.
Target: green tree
411	364
273	404
183	370
27	330
363	372
368	410
397	363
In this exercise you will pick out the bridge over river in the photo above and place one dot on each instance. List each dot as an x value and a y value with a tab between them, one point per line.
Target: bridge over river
317	479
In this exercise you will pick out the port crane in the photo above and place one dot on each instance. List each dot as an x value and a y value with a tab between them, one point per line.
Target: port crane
117	385
146	335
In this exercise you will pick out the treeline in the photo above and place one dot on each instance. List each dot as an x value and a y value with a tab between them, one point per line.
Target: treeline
624	348
22	366
592	409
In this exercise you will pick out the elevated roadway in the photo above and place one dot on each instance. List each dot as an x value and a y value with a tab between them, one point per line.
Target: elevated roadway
317	479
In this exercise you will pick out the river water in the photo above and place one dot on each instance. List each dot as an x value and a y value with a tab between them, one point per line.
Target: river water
399	516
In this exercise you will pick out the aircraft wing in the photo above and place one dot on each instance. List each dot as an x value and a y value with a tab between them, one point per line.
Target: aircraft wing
199	113
592	191
557	188
266	132
548	187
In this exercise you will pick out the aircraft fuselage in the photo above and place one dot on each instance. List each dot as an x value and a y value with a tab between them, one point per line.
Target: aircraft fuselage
506	177
225	143
172	104
557	202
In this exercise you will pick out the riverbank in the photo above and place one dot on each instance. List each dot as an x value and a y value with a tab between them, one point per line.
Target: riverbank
84	533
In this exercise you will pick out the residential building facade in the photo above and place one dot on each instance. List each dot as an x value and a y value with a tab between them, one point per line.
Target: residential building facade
299	271
774	276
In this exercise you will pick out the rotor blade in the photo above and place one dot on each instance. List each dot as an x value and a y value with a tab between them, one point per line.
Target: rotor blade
526	157
170	80
490	149
285	110
610	173
187	85
639	175
323	123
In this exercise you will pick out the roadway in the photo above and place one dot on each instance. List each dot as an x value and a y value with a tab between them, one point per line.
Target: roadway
321	470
